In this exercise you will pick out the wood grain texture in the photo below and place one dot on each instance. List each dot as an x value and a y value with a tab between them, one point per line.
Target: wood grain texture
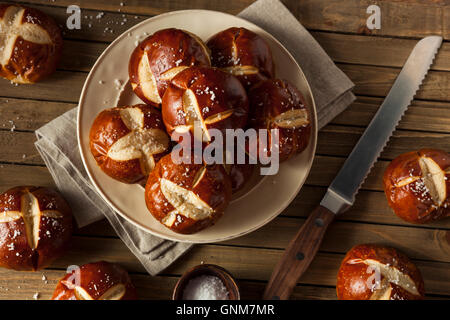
65	86
399	18
29	115
333	140
299	253
377	51
323	171
19	285
372	62
243	262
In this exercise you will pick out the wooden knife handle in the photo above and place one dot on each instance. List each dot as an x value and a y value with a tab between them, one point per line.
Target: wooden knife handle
298	255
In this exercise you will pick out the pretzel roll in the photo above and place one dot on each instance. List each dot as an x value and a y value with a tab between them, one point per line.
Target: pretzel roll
30	44
242	53
35	227
277	104
207	97
158	58
374	272
187	198
127	141
417	185
96	281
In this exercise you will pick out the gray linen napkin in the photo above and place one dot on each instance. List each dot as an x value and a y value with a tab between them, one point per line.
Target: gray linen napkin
58	146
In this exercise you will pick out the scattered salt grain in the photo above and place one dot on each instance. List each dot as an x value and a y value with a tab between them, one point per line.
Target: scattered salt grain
205	288
36	296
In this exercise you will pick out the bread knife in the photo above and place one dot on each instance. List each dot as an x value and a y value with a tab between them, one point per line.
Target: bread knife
341	193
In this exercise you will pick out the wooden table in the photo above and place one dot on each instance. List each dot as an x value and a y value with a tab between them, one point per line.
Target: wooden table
372	59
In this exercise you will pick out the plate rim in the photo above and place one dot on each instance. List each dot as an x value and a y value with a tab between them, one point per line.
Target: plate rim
138	224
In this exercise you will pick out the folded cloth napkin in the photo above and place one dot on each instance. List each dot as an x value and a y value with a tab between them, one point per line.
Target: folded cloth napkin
58	146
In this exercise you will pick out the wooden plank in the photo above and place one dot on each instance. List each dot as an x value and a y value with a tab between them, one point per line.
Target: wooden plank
341	47
323	171
66	86
421	115
62	86
377	81
377	51
369	207
398	18
29	115
333	140
80	55
344	48
96	25
23	285
418	243
242	262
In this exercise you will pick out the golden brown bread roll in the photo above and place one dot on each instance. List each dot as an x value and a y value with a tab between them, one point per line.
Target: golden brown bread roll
158	58
212	98
242	53
35	227
417	185
277	104
96	281
30	44
374	272
127	141
187	198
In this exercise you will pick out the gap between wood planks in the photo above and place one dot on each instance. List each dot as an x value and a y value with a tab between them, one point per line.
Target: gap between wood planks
65	86
375	46
417	18
242	262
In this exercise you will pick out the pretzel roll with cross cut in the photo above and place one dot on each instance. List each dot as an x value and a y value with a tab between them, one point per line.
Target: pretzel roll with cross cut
30	44
202	99
96	281
374	272
187	197
35	227
127	141
277	104
158	58
417	185
242	53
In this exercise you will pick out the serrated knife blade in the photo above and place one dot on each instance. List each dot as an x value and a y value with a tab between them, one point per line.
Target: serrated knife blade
341	193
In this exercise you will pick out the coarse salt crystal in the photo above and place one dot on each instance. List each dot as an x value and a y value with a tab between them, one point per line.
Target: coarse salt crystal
205	288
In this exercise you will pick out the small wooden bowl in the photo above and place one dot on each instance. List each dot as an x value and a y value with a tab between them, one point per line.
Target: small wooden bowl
211	270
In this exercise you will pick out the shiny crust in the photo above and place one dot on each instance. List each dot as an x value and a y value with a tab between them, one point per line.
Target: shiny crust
95	278
54	233
214	189
410	202
215	92
166	49
271	98
239	175
352	277
108	128
31	62
249	49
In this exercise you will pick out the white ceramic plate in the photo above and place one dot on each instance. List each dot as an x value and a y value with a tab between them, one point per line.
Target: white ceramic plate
265	197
